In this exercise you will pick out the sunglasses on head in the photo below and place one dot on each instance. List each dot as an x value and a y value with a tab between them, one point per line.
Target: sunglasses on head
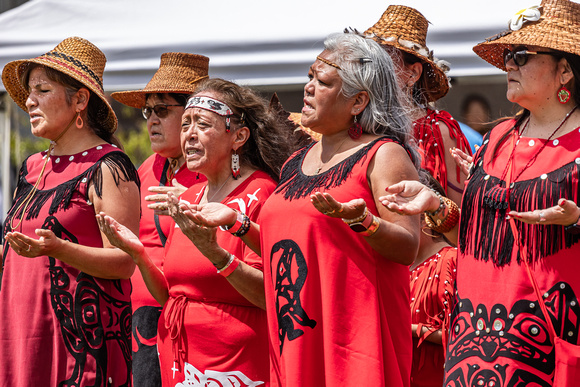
160	110
520	56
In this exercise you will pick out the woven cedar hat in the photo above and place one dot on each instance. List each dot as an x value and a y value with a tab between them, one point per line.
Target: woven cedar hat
75	57
554	24
178	73
405	28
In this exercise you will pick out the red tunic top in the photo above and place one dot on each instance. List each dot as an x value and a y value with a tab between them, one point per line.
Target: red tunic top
61	326
208	331
146	309
338	312
432	294
430	141
498	332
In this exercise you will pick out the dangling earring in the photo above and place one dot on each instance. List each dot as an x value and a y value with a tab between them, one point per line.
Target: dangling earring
355	130
79	121
235	165
563	95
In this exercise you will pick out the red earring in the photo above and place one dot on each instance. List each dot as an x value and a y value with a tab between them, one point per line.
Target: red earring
355	130
563	95
235	165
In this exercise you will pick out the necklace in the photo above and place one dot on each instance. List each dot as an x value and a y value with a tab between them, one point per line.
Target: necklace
219	189
331	156
497	196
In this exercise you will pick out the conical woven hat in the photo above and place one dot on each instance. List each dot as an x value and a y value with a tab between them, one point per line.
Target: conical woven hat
405	28
558	28
76	57
178	73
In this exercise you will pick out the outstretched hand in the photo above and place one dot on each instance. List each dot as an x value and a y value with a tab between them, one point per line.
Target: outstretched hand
564	214
201	235
327	205
410	197
119	235
47	243
159	198
211	214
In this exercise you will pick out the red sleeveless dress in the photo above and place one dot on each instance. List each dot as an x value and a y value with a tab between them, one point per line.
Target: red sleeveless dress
338	312
60	326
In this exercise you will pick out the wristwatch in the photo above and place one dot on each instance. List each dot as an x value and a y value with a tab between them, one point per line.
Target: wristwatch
366	227
363	224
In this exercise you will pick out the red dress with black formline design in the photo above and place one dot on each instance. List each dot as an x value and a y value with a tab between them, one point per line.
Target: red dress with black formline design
209	334
498	334
59	325
338	312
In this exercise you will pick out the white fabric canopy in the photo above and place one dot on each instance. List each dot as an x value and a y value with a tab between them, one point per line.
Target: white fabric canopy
258	42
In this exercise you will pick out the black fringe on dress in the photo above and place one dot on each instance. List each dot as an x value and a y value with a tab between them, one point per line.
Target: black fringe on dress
484	200
295	185
118	162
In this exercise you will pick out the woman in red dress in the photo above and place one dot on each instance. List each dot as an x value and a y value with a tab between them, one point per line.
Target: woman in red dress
336	264
213	325
520	210
65	307
402	31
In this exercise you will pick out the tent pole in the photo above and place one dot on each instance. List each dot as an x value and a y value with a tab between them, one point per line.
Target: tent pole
5	110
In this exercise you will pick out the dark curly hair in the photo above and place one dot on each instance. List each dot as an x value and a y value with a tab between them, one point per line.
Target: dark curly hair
270	143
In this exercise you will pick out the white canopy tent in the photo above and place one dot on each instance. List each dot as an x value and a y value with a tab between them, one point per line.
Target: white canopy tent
257	43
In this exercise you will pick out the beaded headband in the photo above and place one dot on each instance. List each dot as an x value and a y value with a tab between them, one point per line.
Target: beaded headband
323	60
213	105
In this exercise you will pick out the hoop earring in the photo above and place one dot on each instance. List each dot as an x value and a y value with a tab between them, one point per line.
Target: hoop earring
355	130
79	121
563	95
235	165
429	232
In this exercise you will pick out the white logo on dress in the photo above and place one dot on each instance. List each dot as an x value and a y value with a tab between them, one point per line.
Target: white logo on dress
194	378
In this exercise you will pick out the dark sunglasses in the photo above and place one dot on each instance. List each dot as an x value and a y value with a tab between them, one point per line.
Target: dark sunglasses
160	110
520	56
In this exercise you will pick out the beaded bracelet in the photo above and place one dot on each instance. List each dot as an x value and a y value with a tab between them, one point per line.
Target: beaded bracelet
229	268
441	205
444	225
358	219
244	228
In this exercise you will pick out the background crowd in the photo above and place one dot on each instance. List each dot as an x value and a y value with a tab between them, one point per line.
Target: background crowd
372	243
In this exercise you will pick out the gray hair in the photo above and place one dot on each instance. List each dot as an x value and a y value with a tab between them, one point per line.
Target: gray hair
365	66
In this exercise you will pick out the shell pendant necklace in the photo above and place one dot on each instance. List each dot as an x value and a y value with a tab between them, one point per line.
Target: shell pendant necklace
331	156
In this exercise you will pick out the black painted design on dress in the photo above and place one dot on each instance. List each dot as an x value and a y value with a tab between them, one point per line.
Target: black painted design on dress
290	275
